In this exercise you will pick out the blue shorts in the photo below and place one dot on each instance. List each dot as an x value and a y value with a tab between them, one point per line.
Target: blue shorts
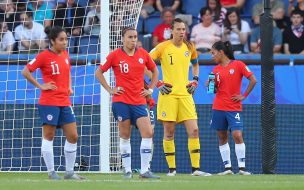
123	111
226	120
56	115
152	115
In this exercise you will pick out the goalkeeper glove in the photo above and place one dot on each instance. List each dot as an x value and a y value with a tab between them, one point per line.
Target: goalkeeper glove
191	87
150	102
164	88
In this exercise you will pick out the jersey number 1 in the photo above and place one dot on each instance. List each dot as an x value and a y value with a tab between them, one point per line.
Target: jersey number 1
55	69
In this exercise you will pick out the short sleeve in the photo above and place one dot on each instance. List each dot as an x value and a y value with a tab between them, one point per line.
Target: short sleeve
150	63
35	63
244	69
108	63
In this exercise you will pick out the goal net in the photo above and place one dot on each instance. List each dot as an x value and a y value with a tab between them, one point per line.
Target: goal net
100	24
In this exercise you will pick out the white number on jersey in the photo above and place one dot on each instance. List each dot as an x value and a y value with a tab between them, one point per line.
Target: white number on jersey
55	68
124	68
237	116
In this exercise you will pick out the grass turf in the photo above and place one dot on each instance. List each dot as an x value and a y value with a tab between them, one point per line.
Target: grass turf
39	181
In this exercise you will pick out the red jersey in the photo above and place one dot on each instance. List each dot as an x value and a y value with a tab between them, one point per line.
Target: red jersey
228	2
129	74
54	68
162	32
228	82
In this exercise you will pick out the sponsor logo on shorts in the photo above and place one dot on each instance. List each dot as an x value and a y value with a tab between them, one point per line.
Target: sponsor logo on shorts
49	117
163	114
119	118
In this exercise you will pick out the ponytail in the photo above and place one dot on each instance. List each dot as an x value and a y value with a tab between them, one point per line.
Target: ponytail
226	47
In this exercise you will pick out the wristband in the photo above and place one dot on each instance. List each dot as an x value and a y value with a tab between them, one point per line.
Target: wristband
151	90
195	78
245	94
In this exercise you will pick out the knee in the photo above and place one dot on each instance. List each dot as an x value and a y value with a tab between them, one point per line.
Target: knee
73	138
169	134
194	133
49	135
238	138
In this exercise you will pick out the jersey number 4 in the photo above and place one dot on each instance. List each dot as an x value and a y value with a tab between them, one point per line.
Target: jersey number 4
55	69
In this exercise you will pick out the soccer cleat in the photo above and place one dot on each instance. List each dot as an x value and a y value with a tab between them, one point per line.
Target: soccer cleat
72	175
149	175
226	172
128	175
171	173
54	176
243	172
200	173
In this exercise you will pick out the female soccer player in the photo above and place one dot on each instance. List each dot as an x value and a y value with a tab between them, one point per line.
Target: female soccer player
129	98
54	104
175	102
227	105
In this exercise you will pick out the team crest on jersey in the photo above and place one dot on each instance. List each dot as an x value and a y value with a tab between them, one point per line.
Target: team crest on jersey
141	60
163	114
49	117
67	61
119	118
231	71
186	53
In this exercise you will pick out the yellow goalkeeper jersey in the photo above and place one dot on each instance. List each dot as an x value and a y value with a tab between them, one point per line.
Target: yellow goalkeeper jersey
175	65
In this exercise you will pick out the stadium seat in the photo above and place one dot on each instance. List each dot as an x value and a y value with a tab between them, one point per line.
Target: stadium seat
72	44
151	23
89	44
140	25
193	6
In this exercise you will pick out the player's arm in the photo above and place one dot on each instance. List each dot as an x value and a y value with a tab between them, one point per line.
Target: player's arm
70	84
252	83
99	75
191	87
46	86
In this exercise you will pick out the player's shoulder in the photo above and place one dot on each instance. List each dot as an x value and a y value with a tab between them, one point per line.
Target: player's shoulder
164	45
44	54
142	50
238	63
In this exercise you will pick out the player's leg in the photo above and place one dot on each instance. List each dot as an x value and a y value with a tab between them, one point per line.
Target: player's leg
140	115
49	116
187	114
68	124
220	124
235	120
122	114
167	108
152	119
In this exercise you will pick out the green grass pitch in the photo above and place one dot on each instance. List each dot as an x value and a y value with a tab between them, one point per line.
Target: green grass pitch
39	181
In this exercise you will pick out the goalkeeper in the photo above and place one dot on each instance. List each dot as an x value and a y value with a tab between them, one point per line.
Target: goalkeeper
175	102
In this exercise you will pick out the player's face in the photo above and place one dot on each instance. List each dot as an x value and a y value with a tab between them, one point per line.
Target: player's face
130	39
61	42
179	30
216	55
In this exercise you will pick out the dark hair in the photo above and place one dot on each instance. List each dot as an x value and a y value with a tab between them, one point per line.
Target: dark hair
188	43
124	30
27	13
296	12
217	11
204	10
53	32
226	47
227	23
166	9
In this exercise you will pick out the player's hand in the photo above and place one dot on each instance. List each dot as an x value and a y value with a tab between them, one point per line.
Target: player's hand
164	88
117	90
70	91
150	102
145	92
237	98
49	86
192	86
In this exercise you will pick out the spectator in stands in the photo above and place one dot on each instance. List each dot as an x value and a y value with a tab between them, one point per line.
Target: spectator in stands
236	30
173	5
30	34
293	37
233	3
276	38
147	8
42	11
8	14
299	6
162	31
218	12
205	34
71	16
92	22
7	39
